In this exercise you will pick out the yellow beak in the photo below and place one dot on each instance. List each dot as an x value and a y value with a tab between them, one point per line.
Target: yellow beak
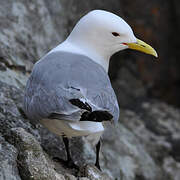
143	47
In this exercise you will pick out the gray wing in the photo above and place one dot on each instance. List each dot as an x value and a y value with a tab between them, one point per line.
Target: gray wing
60	77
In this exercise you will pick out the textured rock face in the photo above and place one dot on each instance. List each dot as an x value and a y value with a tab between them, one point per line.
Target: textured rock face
27	33
8	166
144	145
31	159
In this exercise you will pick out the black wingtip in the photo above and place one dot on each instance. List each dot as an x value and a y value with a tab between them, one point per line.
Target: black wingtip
80	104
96	116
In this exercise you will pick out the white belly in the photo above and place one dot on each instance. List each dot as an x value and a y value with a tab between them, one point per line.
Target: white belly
93	130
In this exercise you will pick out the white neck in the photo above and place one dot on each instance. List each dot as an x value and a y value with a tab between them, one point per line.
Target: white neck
68	46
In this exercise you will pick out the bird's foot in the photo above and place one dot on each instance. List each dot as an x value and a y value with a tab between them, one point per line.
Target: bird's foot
98	166
71	164
66	163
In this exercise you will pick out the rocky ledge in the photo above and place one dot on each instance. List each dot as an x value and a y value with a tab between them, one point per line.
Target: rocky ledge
144	145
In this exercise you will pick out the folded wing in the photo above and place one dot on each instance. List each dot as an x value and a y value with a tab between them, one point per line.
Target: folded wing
67	85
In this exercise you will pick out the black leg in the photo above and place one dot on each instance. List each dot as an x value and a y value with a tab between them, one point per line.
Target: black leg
66	143
69	161
97	155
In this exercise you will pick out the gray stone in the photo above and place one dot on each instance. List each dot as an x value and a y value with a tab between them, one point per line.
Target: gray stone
69	177
33	162
124	157
10	110
172	168
27	33
156	126
91	172
8	161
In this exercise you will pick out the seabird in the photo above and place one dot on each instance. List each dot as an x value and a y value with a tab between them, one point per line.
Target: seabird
69	90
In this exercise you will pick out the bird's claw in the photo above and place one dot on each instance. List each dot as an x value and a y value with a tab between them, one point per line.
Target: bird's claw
66	163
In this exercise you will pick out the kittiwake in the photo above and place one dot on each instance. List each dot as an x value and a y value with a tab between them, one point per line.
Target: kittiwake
69	90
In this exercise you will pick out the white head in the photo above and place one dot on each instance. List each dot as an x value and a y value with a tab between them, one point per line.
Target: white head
100	34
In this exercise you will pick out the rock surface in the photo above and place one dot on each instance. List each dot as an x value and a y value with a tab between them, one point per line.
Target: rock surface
8	165
145	145
31	159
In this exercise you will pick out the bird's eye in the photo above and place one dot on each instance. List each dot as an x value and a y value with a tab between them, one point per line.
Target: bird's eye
115	34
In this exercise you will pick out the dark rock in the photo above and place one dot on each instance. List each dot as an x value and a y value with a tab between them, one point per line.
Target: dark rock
158	25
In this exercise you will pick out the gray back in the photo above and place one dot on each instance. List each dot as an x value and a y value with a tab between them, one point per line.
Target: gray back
61	76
